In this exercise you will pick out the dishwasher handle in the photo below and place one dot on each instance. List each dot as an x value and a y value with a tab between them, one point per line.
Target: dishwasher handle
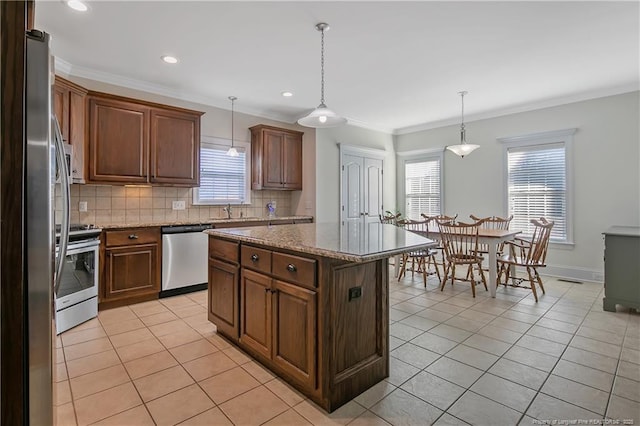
183	229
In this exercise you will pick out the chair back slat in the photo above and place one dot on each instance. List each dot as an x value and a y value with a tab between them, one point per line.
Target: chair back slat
460	240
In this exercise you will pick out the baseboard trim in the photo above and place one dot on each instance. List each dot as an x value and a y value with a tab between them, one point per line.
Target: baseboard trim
573	273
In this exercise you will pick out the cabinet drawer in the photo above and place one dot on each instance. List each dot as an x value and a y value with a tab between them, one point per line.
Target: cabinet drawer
227	250
294	269
132	237
255	258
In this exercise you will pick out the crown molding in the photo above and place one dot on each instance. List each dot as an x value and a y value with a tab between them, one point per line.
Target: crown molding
117	80
547	103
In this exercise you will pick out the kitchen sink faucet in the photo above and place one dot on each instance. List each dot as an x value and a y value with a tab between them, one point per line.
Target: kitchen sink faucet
227	210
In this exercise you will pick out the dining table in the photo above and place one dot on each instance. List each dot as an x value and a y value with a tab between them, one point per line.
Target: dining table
492	238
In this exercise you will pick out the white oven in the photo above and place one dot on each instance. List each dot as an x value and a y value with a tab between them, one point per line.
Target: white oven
77	294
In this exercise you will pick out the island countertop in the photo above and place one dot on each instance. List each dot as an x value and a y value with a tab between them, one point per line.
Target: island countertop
350	242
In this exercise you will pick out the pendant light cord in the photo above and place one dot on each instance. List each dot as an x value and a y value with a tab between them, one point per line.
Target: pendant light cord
463	138
322	67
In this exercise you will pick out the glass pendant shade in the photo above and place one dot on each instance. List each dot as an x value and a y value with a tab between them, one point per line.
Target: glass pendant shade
322	116
463	148
232	152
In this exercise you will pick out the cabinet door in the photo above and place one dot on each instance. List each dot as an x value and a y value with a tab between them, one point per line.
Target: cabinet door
294	332
61	109
223	297
131	271
272	161
255	312
292	161
118	141
175	148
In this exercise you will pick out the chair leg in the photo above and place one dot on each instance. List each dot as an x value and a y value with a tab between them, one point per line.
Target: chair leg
473	280
444	277
484	280
424	271
453	272
435	265
533	286
403	268
539	280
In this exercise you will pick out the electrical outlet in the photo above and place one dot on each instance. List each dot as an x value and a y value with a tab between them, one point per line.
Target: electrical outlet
178	205
82	206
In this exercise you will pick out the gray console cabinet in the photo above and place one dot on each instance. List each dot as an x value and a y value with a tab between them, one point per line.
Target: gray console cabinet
621	267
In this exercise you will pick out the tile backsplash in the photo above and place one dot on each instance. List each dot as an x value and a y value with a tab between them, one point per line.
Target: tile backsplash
108	204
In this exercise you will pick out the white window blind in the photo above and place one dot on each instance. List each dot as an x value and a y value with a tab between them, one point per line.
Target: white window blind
222	178
537	187
422	187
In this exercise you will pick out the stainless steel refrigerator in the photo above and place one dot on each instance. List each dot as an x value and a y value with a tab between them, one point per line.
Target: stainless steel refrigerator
43	150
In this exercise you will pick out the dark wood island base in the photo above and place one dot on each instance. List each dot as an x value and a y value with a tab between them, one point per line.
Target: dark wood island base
320	323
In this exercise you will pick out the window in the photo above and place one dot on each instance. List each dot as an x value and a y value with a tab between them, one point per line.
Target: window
223	179
537	182
422	184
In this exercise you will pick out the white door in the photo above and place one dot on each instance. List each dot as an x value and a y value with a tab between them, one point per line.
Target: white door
352	192
361	186
372	189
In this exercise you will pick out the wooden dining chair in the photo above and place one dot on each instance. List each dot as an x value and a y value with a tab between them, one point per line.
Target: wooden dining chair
421	259
492	222
433	222
530	254
460	242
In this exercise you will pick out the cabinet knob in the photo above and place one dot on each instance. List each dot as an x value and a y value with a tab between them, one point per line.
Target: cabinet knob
274	291
254	257
291	267
133	237
267	290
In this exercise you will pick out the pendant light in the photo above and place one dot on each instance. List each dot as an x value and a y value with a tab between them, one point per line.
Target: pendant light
463	148
322	116
232	152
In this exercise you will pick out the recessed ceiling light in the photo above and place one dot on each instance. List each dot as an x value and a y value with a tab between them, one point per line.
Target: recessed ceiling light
77	5
169	59
287	94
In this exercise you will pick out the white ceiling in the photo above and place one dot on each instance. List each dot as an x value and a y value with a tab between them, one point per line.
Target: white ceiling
390	66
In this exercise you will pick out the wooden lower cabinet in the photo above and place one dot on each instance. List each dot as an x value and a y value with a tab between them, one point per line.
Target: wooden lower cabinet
278	322
131	271
321	324
256	312
223	297
294	332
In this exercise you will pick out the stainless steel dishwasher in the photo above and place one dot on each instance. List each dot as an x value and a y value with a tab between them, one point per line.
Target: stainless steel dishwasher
184	259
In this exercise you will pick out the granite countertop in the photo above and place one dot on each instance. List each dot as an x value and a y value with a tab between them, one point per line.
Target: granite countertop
351	242
212	221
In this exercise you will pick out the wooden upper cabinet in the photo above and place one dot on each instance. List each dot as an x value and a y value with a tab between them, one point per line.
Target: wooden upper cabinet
70	110
175	148
276	158
118	141
136	142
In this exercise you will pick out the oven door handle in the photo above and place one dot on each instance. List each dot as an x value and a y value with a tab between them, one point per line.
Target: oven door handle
63	171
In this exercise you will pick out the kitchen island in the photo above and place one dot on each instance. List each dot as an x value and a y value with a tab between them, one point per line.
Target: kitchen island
309	301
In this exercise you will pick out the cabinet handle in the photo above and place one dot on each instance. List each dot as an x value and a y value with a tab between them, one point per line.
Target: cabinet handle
254	257
267	290
274	291
291	267
133	237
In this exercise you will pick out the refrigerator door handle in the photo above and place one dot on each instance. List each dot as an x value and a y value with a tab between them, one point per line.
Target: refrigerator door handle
66	202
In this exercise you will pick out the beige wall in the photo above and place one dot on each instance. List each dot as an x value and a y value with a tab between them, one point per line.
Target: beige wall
606	171
216	122
328	167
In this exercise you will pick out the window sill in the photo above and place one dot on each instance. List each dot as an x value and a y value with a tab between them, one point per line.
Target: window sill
221	204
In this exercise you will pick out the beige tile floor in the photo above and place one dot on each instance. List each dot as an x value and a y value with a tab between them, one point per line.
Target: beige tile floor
454	360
